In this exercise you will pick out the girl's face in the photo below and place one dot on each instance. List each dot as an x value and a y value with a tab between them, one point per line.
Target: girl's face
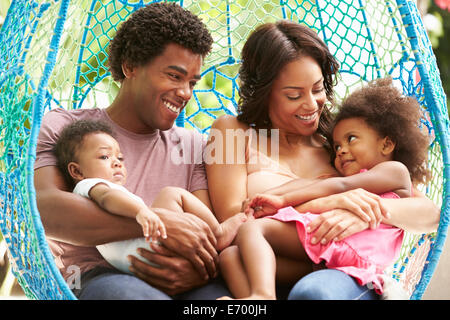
297	97
358	146
99	156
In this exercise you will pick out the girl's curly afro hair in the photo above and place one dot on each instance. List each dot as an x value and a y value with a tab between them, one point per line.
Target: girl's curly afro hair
393	115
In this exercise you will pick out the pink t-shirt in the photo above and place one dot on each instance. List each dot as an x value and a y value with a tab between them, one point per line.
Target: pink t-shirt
156	160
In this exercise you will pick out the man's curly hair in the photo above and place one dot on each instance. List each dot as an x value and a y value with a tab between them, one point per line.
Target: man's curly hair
392	114
149	29
70	141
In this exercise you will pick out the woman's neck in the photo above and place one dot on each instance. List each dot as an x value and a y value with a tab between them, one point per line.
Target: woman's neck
291	140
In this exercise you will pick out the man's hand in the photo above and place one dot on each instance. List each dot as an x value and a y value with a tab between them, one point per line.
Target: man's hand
190	237
174	275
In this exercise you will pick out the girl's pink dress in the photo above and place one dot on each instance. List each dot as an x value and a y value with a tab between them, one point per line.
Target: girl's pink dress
364	255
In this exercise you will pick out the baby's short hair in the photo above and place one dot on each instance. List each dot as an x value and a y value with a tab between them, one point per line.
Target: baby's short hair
71	139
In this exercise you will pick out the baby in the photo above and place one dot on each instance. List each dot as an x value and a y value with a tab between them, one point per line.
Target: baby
91	160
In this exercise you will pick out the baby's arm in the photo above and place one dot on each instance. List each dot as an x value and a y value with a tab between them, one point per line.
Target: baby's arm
119	203
384	177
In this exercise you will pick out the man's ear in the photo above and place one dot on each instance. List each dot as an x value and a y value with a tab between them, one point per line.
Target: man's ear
74	171
127	69
388	146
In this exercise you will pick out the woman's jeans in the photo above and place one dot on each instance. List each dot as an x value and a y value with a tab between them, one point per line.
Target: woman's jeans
325	284
330	284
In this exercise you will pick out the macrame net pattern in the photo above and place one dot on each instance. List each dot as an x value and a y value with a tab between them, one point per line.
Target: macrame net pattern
53	54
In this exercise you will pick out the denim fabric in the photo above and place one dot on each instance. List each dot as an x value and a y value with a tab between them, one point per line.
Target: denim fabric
110	284
330	284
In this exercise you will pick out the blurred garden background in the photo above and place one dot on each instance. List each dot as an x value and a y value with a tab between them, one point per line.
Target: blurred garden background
436	18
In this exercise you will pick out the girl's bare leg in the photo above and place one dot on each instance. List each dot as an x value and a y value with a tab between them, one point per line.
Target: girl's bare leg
258	241
233	272
181	200
289	271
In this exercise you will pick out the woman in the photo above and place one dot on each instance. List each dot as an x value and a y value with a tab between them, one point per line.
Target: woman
287	76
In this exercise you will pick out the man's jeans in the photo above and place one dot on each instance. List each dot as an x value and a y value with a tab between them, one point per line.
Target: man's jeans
105	284
110	284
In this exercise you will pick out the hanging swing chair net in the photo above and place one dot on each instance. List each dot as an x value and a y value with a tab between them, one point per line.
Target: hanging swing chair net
53	54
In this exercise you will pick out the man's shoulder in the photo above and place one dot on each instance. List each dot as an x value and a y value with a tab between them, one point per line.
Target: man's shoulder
58	118
60	113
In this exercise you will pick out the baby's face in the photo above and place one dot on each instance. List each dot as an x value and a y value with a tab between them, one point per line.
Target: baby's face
99	156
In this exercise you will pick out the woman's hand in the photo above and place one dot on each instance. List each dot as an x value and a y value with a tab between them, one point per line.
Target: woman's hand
365	205
335	225
174	275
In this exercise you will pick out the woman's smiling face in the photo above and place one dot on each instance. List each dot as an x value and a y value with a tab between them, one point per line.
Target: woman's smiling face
297	97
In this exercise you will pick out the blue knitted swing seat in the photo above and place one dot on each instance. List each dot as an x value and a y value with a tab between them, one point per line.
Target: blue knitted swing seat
53	55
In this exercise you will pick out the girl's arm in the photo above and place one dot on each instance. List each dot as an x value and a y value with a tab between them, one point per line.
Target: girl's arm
227	175
291	186
388	176
384	177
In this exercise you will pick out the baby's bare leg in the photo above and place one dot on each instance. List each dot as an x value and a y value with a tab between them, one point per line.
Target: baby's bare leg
181	200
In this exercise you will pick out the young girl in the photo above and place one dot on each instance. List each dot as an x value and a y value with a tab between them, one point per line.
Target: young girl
378	147
90	159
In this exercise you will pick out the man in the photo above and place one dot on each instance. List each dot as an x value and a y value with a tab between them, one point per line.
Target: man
156	55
